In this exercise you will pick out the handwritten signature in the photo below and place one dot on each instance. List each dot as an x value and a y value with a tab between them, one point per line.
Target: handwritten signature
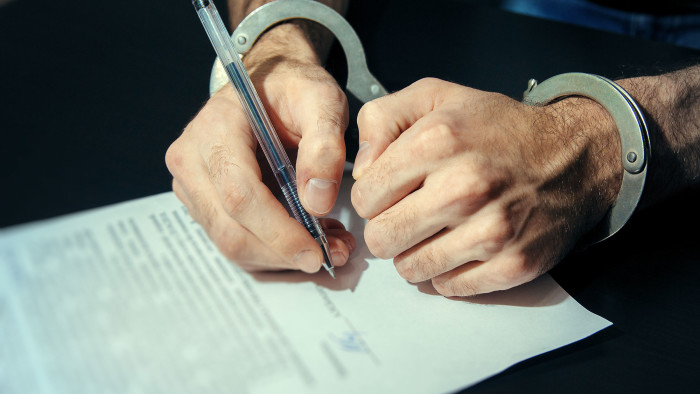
350	341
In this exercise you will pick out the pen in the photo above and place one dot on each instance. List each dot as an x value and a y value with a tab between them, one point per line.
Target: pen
260	122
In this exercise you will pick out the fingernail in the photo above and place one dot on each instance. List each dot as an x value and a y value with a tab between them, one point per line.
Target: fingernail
350	243
361	160
307	261
319	195
338	258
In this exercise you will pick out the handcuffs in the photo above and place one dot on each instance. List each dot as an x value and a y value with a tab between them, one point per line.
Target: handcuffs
634	135
361	83
634	138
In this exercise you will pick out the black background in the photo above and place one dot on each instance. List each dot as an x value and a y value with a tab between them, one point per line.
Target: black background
92	94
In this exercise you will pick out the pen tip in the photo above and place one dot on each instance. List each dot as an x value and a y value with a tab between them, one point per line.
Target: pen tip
325	248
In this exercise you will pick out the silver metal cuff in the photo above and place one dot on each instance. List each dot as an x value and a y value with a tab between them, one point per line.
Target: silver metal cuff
361	83
634	137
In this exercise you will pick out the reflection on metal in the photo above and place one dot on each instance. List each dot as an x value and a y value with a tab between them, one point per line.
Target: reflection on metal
634	137
361	83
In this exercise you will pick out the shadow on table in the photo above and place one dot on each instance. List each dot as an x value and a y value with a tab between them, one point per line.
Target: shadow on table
540	292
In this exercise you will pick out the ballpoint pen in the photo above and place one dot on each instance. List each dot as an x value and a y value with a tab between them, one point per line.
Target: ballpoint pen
260	122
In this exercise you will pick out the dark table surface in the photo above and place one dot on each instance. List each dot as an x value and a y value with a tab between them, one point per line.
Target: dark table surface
92	94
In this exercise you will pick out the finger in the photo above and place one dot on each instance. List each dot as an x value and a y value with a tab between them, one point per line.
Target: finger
233	175
401	168
214	164
205	215
342	243
227	151
184	164
234	241
245	199
440	203
503	272
480	237
331	224
181	195
322	115
381	121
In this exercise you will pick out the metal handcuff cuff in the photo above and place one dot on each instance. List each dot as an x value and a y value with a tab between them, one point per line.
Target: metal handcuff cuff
361	83
634	137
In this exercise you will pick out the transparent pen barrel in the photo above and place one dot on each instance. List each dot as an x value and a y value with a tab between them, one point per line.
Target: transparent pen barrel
287	181
250	101
258	119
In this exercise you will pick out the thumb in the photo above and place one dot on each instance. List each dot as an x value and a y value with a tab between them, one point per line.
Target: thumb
322	120
381	121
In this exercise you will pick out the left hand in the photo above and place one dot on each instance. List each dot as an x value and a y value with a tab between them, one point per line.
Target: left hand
478	192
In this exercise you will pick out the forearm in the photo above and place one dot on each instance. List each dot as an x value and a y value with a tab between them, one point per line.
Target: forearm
299	32
671	103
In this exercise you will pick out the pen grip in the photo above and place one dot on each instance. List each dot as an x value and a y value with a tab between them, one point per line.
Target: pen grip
255	112
286	177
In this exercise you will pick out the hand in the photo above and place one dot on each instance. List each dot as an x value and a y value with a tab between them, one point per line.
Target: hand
478	192
220	180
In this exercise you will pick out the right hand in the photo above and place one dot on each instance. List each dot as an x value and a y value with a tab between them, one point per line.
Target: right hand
218	176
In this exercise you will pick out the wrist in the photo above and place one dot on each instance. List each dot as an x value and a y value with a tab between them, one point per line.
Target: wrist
282	46
286	42
319	38
587	159
666	174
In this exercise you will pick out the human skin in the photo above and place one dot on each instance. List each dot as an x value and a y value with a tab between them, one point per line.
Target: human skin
477	192
469	189
221	178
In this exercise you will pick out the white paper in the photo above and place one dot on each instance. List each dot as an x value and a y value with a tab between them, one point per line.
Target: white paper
133	298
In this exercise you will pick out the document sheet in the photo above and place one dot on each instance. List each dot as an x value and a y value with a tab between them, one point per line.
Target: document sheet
134	298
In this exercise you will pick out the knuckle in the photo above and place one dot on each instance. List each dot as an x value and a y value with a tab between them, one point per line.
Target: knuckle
433	258
376	242
179	192
444	131
204	211
512	272
438	138
369	194
421	146
424	265
428	81
394	226
237	198
498	232
428	140
332	94
456	287
231	242
462	197
333	115
219	162
405	269
382	176
286	242
480	187
370	113
323	147
174	157
358	201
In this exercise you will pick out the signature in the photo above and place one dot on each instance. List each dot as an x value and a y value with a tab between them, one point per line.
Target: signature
350	341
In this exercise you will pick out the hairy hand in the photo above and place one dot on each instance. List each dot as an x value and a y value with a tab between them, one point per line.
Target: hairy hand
219	177
478	192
